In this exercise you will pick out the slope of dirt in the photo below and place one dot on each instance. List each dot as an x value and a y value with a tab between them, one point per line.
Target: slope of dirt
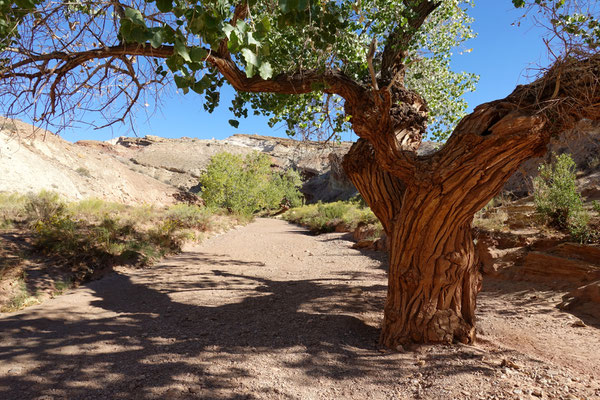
268	311
33	159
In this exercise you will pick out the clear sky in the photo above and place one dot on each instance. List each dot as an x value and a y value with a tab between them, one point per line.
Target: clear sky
503	54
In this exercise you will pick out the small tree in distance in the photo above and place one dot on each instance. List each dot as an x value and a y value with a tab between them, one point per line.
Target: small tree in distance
247	184
379	67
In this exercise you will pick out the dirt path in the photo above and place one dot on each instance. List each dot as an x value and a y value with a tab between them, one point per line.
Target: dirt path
270	312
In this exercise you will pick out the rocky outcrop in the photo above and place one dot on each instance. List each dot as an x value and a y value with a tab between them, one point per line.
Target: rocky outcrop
557	267
332	185
585	299
179	162
35	159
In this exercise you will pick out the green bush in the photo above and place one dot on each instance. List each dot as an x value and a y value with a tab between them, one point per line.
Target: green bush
557	200
94	209
324	217
245	185
596	206
191	216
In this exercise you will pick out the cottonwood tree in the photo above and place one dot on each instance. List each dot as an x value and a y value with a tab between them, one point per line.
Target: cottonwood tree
378	67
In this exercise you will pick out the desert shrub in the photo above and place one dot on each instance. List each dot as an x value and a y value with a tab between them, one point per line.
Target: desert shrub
84	172
324	217
596	206
43	206
556	197
12	208
95	209
166	237
245	185
20	299
191	216
557	200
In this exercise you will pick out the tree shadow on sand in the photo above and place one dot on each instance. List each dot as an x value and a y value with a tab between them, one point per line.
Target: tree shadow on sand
135	341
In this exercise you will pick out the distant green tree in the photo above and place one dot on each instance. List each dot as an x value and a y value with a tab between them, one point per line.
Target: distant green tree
248	184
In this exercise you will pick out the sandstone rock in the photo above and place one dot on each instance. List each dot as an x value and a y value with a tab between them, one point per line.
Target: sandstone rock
584	299
364	231
548	266
342	227
332	185
34	159
588	253
364	244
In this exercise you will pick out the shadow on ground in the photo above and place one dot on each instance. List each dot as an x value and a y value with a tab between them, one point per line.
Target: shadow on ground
150	342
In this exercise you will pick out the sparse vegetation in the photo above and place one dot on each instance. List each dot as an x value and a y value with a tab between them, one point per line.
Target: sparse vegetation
61	286
84	172
90	236
322	218
191	216
43	206
246	185
21	298
492	217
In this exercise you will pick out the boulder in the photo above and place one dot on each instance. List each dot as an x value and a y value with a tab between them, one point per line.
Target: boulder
584	299
555	267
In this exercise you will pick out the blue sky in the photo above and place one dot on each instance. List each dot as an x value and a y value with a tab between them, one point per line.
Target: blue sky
504	55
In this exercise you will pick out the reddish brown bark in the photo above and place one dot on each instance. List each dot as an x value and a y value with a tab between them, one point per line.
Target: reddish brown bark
434	273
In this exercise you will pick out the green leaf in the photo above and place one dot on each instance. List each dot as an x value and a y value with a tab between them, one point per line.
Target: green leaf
250	70
181	82
242	26
182	50
135	16
234	43
156	40
251	40
198	54
235	123
174	62
302	5
250	57
264	25
265	70
164	5
227	29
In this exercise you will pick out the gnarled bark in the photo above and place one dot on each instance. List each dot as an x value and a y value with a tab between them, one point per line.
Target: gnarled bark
426	204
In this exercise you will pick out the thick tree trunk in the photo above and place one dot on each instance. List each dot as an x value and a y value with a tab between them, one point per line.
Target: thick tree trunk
434	274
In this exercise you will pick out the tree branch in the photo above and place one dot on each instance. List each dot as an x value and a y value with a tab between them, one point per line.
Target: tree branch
381	190
488	145
397	43
334	81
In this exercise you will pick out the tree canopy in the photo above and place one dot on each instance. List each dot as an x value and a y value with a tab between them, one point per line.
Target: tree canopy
65	54
61	58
